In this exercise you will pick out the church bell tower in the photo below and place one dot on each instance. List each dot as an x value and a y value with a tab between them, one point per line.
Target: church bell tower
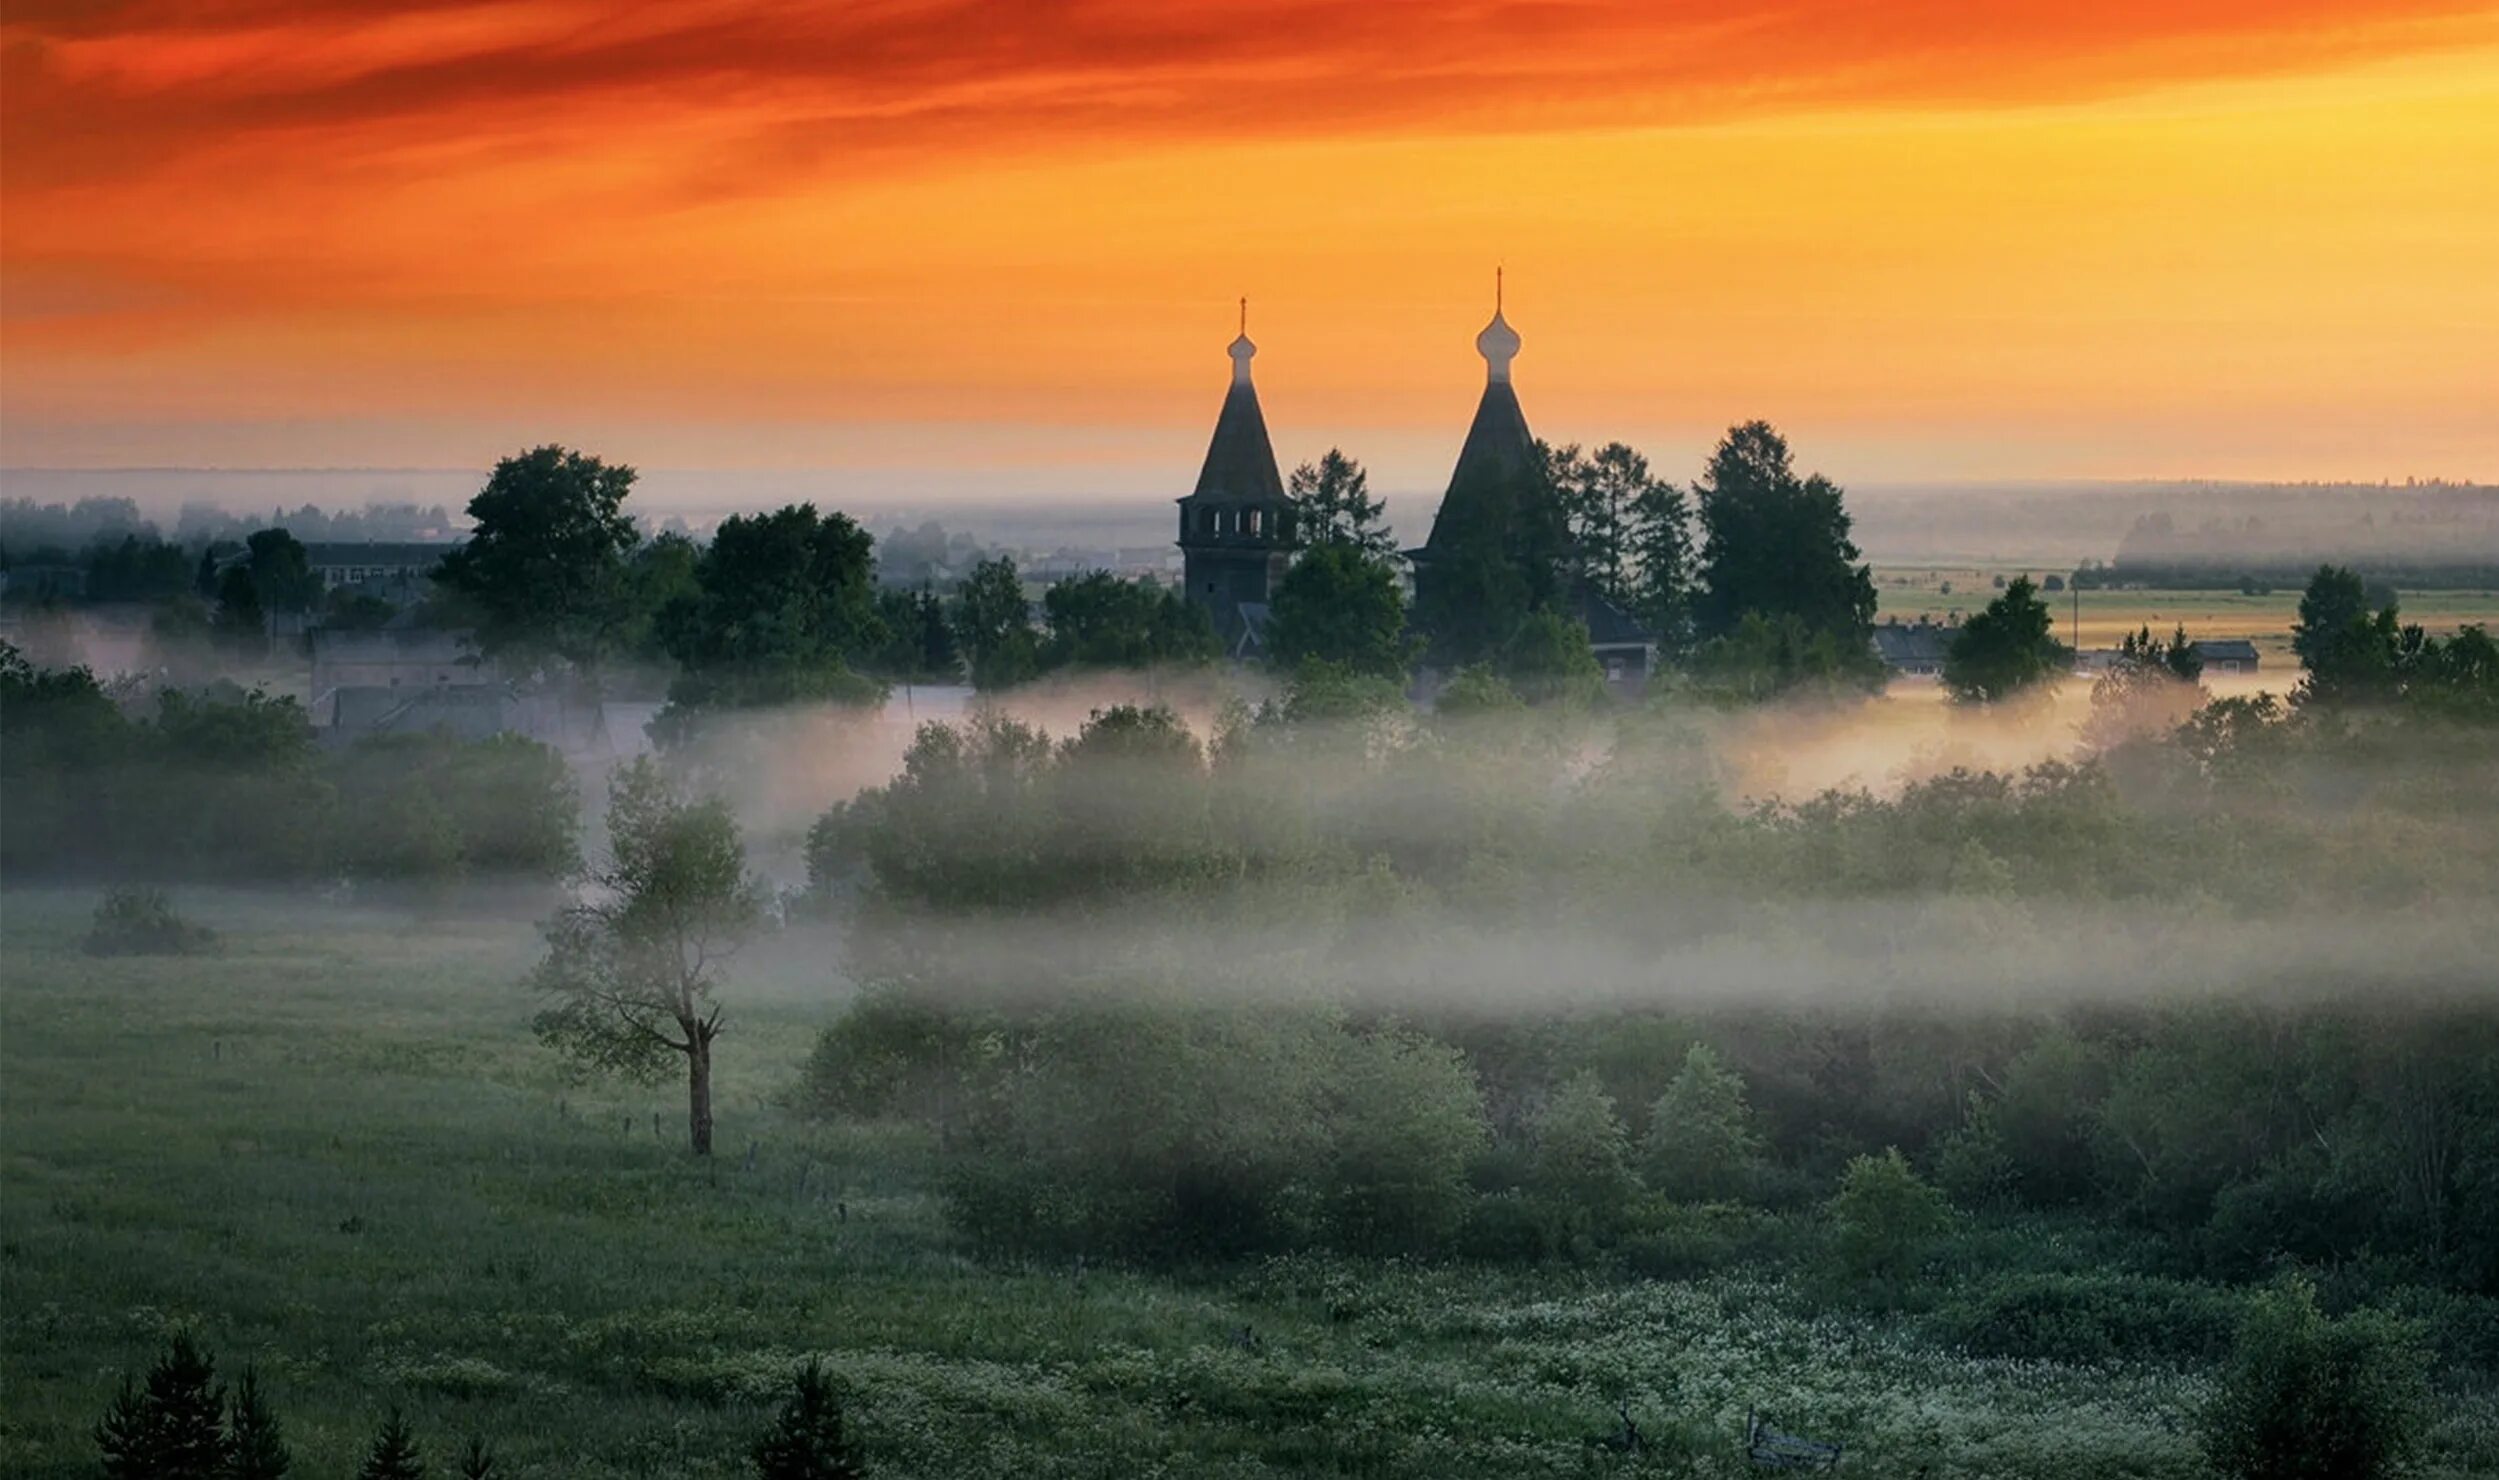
1237	527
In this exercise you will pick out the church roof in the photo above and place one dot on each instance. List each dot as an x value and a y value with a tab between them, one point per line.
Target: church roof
1498	445
1240	461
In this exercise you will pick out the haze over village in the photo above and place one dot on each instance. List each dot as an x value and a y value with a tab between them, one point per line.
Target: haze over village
805	741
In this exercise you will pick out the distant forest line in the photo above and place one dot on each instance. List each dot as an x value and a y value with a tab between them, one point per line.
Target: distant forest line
2426	536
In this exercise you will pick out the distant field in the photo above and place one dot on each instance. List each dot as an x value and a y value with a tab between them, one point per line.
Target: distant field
333	1151
1910	592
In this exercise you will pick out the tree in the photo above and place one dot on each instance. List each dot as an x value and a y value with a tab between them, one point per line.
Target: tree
282	570
1600	495
783	612
1548	660
1582	1156
477	1462
2151	689
394	1454
1339	606
1884	1216
544	564
658	575
2306	1396
920	638
1776	545
241	623
172	1427
2005	649
806	1441
1660	538
1098	620
1701	1145
1767	656
994	626
1336	507
255	1440
631	972
1405	1121
2349	651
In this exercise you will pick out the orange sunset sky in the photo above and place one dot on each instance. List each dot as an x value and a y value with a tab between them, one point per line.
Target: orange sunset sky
995	247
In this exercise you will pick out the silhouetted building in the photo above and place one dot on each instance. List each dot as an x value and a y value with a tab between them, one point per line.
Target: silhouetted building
399	572
1499	451
1497	460
1916	648
1237	530
2226	654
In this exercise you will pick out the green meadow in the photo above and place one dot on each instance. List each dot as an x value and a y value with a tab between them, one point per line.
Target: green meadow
332	1150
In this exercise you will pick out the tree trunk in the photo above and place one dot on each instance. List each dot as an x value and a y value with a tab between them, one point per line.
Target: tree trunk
698	1086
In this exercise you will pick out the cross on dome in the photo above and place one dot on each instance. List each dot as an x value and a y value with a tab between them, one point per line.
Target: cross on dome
1241	349
1499	343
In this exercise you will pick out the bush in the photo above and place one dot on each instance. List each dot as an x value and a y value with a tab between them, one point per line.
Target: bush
1405	1120
1971	1163
1682	1241
897	1053
1154	1131
2081	1318
142	922
1582	1168
1884	1217
1701	1144
2307	1396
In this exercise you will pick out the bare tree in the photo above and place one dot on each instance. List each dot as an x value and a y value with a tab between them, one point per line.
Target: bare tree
632	965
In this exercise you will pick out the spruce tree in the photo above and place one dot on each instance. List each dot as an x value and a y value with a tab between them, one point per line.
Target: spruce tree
478	1461
172	1428
123	1434
806	1441
255	1441
394	1455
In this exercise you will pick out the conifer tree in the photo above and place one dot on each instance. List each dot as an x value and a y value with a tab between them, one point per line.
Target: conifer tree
478	1461
806	1441
170	1428
394	1455
255	1441
1701	1143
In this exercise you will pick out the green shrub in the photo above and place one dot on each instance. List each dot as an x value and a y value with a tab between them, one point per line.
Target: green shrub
1676	1241
1506	1227
2306	1396
2082	1318
1971	1163
143	922
1404	1122
1884	1217
897	1053
1701	1145
1582	1168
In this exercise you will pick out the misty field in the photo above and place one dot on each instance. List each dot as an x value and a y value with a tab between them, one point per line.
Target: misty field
332	1150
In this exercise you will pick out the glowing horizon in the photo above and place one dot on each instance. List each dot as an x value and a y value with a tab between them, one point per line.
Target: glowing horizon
2086	241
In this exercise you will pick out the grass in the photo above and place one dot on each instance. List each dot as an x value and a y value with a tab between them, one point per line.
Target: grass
333	1151
1906	593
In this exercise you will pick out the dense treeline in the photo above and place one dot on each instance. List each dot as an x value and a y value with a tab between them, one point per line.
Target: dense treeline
232	785
1517	984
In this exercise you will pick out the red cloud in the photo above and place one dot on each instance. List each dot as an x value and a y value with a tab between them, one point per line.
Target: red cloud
99	90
